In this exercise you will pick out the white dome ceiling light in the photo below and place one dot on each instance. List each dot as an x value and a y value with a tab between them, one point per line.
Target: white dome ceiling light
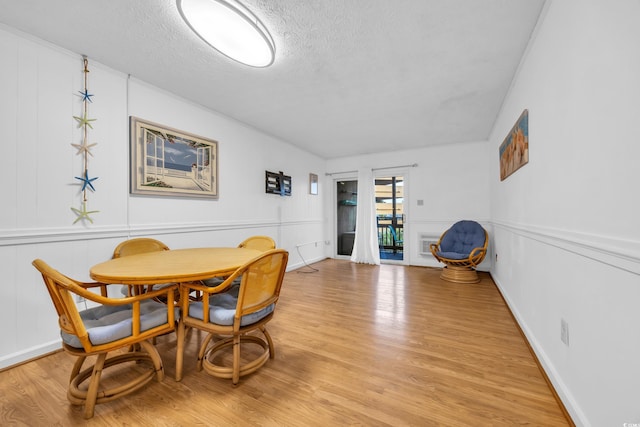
231	29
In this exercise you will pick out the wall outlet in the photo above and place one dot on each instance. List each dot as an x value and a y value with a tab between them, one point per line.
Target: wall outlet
564	332
496	257
327	242
316	244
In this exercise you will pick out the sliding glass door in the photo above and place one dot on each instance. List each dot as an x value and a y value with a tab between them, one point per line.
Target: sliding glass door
347	195
389	194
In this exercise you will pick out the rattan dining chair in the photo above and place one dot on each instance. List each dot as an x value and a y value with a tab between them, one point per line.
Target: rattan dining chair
110	324
230	311
259	243
138	245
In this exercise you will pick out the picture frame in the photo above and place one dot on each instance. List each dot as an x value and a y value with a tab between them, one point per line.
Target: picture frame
170	162
277	183
514	150
313	184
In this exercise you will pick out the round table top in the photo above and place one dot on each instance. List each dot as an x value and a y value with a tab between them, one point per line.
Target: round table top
176	265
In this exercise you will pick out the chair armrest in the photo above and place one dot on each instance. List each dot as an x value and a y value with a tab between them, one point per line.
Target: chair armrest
82	290
477	255
435	248
199	287
89	285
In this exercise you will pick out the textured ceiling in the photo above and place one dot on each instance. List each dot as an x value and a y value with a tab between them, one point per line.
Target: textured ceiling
350	76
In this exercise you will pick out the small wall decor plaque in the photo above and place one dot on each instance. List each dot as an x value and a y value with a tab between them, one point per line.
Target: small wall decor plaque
313	184
277	183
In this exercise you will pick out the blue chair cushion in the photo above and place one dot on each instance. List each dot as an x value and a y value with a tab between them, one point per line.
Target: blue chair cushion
106	323
461	239
222	309
452	255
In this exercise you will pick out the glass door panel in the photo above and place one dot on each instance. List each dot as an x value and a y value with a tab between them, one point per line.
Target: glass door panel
390	217
347	192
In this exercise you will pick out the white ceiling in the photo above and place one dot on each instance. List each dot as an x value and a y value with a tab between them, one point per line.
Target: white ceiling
350	76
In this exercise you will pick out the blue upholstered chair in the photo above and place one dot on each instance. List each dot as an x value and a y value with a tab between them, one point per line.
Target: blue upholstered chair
461	248
229	312
111	324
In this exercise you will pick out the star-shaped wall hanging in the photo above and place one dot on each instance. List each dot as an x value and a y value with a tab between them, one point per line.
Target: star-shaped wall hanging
84	121
86	181
83	213
86	96
84	148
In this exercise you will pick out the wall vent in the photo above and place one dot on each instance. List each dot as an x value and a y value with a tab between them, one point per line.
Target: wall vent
424	243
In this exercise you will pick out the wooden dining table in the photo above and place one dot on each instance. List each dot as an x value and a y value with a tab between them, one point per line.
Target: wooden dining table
172	266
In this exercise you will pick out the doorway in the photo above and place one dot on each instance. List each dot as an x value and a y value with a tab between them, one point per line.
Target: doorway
390	217
347	196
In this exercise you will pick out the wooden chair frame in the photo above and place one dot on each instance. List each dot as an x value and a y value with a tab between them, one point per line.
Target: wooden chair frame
235	334
138	245
260	243
62	290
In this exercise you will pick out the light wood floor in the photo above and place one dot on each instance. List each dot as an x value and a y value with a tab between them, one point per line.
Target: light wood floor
356	345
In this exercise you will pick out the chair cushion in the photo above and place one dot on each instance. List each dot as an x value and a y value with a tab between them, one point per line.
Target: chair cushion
452	255
215	281
124	290
461	239
110	323
222	309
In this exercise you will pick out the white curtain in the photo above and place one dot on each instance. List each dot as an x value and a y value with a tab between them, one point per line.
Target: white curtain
365	247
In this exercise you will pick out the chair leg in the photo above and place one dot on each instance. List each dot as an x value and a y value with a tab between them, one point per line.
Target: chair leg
180	334
203	350
236	359
156	360
76	367
272	351
94	384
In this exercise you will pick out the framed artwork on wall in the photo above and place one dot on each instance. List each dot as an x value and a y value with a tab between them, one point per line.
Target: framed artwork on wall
514	151
171	162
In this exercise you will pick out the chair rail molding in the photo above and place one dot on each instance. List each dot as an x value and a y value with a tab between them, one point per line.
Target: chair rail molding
615	252
67	234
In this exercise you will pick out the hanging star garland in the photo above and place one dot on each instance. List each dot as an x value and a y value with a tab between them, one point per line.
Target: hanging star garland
84	148
83	213
86	96
86	181
84	121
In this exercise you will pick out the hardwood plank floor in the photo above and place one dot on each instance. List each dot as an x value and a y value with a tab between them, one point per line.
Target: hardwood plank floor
356	345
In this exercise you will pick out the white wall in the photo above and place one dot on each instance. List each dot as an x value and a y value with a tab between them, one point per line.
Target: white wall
566	225
452	181
39	85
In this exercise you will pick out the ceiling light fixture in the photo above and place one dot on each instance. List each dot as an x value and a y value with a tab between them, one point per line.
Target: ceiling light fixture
231	29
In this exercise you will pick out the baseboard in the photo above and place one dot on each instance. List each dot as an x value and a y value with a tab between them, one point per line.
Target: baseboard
305	263
563	396
14	359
